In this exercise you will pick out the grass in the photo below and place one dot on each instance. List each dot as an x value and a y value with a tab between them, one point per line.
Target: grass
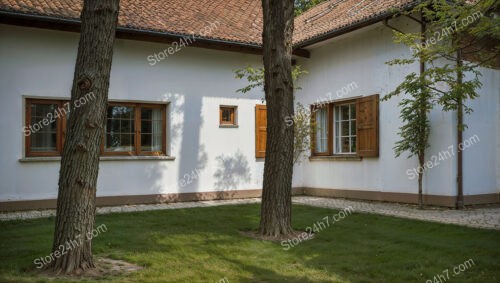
205	245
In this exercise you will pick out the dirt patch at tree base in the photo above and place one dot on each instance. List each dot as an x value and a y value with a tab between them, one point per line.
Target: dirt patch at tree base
105	267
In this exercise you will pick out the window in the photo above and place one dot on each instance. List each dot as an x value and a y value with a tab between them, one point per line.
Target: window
227	115
134	129
322	131
45	121
151	129
130	128
346	128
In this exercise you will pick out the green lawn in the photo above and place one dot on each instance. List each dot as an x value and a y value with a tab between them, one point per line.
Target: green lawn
205	245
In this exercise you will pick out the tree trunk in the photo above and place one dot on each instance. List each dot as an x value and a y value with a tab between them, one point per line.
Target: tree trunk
276	214
423	114
80	158
460	128
421	159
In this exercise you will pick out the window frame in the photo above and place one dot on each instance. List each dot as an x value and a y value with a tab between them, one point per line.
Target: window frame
334	137
234	116
331	129
60	127
137	131
62	123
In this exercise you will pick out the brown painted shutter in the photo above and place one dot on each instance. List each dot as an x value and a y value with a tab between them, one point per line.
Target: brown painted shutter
260	130
367	126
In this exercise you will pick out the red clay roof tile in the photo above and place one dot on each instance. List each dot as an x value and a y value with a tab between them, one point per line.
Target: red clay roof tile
336	14
240	20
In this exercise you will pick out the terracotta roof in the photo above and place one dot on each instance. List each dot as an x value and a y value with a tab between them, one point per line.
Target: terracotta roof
334	15
240	20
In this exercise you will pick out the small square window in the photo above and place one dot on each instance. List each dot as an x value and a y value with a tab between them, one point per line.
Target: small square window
227	115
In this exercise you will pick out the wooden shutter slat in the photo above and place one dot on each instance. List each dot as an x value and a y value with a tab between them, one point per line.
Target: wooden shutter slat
260	130
367	126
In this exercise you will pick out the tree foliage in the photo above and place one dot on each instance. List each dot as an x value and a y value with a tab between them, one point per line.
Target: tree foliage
303	5
456	43
255	77
302	126
415	107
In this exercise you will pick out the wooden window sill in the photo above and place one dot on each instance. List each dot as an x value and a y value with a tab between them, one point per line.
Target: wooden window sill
228	126
102	158
336	158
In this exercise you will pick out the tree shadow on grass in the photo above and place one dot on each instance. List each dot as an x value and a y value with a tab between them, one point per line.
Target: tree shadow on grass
205	244
211	236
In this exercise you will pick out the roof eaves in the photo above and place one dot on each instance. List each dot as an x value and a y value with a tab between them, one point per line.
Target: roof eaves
76	23
353	26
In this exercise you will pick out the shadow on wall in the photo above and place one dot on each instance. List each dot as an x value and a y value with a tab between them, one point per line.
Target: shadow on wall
175	117
186	123
230	173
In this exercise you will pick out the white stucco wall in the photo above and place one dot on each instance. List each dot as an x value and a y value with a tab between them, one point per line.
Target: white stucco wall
360	58
37	62
195	81
481	144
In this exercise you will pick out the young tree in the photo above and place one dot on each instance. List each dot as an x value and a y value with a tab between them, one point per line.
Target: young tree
276	208
458	41
414	133
80	158
469	33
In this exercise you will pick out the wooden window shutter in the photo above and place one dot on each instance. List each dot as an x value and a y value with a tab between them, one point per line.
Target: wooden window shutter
367	128
260	130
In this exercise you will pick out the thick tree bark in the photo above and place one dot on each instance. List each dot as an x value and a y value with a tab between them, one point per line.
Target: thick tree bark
278	85
80	159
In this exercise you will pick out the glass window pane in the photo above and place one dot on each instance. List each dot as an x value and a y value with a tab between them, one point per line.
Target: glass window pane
113	125
120	130
345	128
353	111
345	146
43	141
146	113
227	115
345	112
338	148
322	130
151	129
126	126
146	126
43	137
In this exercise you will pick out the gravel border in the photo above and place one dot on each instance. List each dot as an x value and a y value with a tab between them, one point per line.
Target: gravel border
482	217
